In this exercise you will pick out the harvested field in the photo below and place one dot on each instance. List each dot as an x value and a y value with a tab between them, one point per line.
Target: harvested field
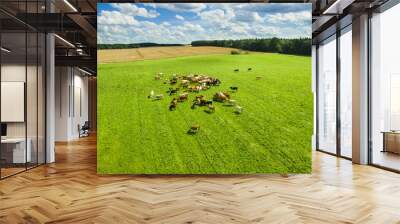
135	54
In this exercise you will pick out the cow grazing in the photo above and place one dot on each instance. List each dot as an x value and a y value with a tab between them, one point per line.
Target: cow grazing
200	101
249	69
236	70
158	97
194	129
183	97
227	95
220	97
173	104
172	107
185	83
199	97
196	89
151	94
205	87
234	88
155	97
216	82
172	91
205	81
211	108
203	102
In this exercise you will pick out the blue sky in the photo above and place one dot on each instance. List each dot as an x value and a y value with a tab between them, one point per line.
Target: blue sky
185	22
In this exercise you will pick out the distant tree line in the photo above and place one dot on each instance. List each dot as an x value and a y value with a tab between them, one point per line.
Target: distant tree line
136	45
299	46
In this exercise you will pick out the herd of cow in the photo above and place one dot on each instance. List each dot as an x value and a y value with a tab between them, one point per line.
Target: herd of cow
195	84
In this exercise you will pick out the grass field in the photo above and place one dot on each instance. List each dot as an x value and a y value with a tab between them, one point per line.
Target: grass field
272	135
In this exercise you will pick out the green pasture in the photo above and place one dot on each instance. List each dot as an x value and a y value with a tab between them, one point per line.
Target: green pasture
272	135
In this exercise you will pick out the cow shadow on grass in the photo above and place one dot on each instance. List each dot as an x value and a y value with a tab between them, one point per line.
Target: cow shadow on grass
191	133
237	113
208	111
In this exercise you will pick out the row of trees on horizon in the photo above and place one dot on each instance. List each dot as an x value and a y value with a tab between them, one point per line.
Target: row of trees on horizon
136	45
298	46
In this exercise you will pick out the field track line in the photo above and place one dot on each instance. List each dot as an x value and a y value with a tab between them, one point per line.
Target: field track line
215	118
201	148
178	153
214	149
139	53
141	127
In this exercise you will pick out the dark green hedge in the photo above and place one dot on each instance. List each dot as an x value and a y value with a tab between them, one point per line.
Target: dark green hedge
123	46
300	46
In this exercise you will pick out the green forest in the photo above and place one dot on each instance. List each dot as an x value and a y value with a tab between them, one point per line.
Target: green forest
300	46
136	45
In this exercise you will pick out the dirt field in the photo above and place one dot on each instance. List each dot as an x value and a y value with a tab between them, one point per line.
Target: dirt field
135	54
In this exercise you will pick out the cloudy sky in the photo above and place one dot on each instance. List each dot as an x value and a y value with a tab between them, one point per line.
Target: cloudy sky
185	22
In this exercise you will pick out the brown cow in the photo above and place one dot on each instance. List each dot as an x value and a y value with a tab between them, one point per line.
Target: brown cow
227	95
220	97
183	97
194	129
173	104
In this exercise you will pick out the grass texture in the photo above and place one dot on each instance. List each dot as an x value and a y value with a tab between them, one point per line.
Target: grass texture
272	135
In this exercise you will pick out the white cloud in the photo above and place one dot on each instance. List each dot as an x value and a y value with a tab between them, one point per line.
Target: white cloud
272	8
133	10
179	17
244	16
191	27
290	17
115	18
265	31
188	22
215	15
180	7
239	30
112	34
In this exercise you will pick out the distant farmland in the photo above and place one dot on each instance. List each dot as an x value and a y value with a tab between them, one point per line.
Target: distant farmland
139	136
134	54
